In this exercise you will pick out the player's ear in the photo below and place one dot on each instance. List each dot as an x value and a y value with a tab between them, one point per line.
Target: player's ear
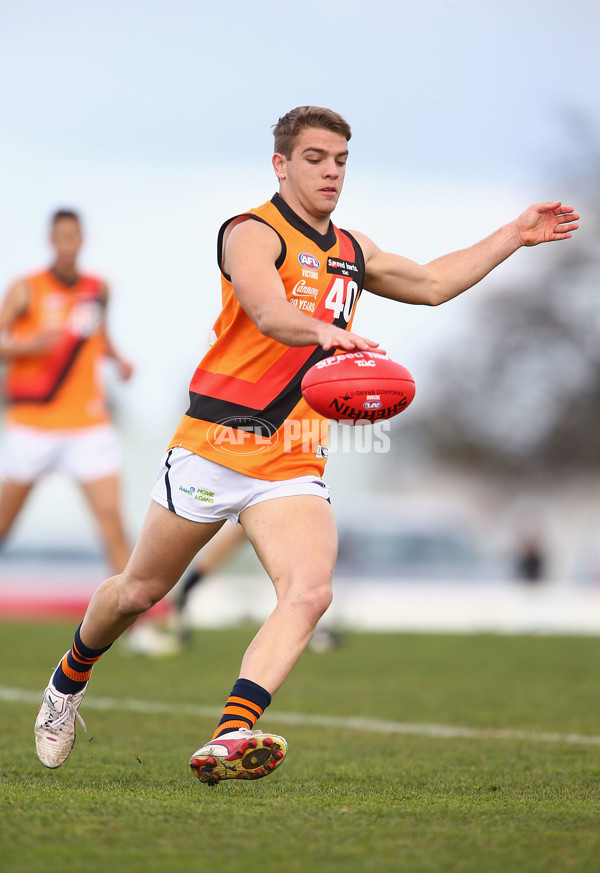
280	165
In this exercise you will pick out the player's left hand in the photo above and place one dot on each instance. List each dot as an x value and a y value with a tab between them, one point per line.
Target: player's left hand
546	222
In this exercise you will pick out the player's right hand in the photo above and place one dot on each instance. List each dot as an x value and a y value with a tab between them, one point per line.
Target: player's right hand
332	337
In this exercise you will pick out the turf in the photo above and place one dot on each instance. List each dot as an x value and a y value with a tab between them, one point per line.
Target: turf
344	800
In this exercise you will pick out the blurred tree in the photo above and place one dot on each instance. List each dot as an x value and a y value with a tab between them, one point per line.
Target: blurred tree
523	389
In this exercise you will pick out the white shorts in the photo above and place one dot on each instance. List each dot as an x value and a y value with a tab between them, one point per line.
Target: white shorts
84	453
200	490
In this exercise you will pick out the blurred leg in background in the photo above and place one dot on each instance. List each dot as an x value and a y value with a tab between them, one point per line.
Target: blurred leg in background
12	499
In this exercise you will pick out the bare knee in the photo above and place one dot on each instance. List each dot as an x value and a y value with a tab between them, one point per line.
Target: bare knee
134	596
321	600
312	602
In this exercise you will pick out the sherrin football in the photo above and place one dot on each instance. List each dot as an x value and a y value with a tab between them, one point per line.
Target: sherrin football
358	386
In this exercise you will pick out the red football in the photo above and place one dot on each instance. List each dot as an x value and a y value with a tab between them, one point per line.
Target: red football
358	386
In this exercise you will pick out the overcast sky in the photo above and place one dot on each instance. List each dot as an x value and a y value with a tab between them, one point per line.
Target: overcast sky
155	121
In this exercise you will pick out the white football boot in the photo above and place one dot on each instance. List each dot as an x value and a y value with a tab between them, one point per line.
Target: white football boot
55	725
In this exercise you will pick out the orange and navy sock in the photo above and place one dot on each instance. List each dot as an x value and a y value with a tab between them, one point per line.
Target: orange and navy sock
75	668
244	707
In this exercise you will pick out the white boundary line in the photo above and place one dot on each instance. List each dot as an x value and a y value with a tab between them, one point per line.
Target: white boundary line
352	723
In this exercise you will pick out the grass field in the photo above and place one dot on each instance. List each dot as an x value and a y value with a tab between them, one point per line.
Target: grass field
398	795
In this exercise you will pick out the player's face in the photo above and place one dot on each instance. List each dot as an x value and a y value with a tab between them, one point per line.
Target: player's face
312	178
66	240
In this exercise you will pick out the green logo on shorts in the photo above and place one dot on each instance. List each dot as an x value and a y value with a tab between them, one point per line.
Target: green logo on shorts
204	495
199	493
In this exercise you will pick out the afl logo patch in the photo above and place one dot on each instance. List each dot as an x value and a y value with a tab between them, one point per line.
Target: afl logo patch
309	261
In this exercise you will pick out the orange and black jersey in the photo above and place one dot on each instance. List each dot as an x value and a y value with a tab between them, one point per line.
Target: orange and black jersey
246	407
60	388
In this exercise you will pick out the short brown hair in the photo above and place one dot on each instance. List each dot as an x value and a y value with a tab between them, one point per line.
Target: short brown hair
290	125
59	214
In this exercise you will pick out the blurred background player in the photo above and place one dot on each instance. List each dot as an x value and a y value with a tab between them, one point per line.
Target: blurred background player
53	339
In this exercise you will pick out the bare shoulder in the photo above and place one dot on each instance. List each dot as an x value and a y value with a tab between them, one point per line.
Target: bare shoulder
367	245
249	231
16	299
248	239
388	274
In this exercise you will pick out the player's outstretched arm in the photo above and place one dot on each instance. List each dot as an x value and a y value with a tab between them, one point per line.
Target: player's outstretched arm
442	279
251	251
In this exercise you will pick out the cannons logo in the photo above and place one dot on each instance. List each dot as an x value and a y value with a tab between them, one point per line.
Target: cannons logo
304	290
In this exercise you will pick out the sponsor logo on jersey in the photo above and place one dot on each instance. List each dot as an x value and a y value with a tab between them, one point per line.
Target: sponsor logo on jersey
301	289
309	261
85	318
341	267
306	305
54	303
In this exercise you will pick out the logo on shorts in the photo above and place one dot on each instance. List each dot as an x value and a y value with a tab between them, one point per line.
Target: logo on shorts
202	494
242	435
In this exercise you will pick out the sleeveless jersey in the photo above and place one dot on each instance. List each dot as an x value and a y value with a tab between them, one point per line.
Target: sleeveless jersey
246	408
61	388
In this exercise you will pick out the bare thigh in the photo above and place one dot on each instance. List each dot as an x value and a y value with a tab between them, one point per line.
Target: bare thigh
12	497
295	539
166	545
230	538
103	495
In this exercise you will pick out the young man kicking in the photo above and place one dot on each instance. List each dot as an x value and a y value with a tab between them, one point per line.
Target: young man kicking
290	284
